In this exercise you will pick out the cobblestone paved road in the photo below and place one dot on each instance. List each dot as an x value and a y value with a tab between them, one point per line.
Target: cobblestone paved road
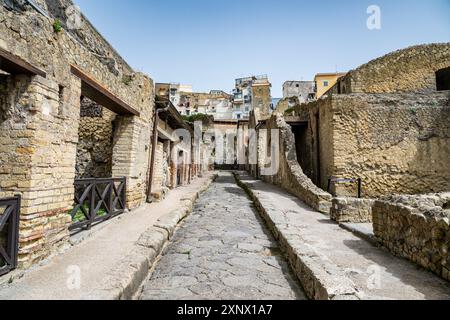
222	251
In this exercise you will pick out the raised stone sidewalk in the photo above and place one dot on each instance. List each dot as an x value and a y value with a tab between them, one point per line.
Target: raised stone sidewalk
333	263
113	260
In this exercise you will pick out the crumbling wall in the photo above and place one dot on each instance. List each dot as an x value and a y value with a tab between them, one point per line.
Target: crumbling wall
290	175
408	70
261	99
95	139
160	175
396	143
416	228
352	210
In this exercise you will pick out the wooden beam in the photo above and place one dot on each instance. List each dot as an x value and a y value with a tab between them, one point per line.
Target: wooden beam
98	93
16	65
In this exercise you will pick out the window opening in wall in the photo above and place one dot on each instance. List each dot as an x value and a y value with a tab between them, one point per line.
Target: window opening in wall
61	97
4	77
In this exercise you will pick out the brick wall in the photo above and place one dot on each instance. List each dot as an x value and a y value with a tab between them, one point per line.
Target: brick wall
40	120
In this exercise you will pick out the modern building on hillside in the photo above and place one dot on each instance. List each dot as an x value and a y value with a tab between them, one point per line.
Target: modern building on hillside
216	103
305	91
252	93
325	81
175	92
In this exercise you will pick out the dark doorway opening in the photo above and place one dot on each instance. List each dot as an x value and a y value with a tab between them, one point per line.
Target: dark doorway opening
443	79
303	148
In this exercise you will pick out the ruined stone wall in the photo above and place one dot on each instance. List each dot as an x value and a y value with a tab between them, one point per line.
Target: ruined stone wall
261	99
40	120
416	228
160	173
352	210
252	163
290	175
286	105
408	70
397	143
316	147
94	151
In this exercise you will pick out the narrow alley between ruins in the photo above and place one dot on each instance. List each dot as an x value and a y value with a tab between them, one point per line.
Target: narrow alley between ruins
223	251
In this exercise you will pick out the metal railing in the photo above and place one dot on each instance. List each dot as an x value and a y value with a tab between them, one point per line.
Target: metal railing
333	180
97	200
9	233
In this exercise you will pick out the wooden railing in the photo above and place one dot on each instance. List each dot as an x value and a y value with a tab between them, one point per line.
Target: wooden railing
97	200
9	233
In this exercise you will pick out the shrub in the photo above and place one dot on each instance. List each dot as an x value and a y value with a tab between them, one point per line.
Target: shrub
57	27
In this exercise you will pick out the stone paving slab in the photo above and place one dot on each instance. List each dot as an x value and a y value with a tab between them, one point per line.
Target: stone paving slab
333	263
222	251
114	260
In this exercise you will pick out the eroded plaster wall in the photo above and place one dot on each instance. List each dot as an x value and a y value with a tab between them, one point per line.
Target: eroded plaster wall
395	143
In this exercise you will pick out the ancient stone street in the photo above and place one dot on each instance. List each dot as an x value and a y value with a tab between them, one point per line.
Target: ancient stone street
261	175
223	251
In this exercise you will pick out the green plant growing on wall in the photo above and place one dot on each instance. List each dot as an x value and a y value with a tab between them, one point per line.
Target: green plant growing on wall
127	80
57	27
289	112
204	118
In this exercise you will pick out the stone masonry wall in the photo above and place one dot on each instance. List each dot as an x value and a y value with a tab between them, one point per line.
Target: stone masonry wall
416	228
408	70
161	173
397	143
352	210
290	175
94	151
40	119
261	99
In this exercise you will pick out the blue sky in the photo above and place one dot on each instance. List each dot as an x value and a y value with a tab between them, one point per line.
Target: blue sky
209	43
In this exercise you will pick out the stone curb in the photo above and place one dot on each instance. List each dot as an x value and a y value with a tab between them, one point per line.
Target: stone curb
125	280
317	280
361	234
